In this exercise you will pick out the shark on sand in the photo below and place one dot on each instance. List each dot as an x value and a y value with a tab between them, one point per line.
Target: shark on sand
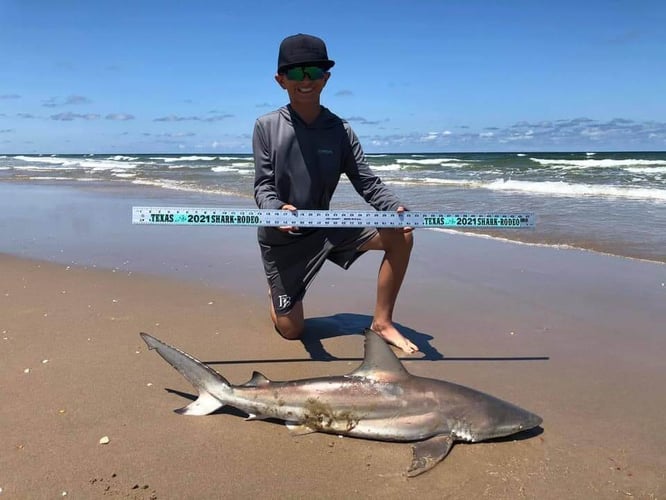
379	400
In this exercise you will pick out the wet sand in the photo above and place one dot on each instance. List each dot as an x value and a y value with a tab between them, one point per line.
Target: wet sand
574	336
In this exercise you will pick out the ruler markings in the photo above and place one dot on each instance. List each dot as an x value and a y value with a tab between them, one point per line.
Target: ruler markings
200	216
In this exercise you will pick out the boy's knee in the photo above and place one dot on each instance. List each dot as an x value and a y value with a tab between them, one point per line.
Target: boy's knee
291	325
289	330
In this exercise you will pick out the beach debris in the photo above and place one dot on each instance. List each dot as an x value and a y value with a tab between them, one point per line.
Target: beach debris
512	333
62	411
149	384
27	370
379	400
211	303
115	301
44	361
63	494
104	440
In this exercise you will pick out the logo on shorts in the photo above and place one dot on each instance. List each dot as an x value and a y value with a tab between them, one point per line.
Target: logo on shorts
284	301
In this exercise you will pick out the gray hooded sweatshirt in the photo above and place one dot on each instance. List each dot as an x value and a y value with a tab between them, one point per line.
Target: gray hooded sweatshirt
300	164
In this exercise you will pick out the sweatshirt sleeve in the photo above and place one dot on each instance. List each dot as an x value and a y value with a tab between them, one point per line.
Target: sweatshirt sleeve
265	194
366	183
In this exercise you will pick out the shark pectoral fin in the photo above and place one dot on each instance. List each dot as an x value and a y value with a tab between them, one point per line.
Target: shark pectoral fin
428	453
204	405
299	429
252	416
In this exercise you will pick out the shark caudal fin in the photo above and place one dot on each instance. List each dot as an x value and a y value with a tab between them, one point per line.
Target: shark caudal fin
211	386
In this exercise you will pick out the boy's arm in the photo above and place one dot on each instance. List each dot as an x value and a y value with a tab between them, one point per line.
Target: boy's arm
265	194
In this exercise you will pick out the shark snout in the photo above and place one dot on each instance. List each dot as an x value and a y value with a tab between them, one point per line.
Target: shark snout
515	421
532	421
504	419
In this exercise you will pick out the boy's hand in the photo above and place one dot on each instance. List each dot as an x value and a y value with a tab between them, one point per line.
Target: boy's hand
400	210
288	229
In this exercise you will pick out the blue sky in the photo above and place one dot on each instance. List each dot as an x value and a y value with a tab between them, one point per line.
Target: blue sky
100	76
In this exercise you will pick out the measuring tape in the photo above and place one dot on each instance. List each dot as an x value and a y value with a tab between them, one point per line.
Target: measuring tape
200	216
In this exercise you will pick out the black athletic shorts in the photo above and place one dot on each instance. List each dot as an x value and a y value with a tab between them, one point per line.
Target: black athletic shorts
292	260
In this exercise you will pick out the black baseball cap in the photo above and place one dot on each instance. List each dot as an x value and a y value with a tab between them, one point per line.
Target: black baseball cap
303	50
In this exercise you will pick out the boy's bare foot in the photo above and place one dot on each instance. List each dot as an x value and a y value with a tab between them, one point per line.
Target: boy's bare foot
391	335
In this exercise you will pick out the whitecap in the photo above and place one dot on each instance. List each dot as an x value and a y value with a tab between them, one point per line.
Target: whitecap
560	188
223	168
410	181
427	161
183	186
593	163
646	170
51	160
187	158
385	168
47	178
122	158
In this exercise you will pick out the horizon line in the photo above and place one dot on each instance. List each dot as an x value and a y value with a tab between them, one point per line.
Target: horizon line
192	153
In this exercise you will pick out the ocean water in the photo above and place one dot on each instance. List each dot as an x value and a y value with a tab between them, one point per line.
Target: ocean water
613	203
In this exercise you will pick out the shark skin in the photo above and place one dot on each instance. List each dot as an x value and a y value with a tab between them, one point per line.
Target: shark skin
380	400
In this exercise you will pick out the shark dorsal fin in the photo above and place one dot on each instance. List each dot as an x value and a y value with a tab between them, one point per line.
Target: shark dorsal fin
379	362
257	380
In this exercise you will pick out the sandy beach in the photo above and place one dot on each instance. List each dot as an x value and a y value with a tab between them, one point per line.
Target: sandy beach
576	337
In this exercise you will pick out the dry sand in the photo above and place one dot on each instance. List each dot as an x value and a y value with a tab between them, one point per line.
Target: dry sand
576	337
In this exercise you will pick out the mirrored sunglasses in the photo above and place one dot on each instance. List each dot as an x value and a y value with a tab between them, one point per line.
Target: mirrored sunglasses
298	73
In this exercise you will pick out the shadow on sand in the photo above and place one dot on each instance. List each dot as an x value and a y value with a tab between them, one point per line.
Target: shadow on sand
339	325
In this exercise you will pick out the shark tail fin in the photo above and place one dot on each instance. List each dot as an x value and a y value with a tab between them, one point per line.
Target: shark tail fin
212	387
